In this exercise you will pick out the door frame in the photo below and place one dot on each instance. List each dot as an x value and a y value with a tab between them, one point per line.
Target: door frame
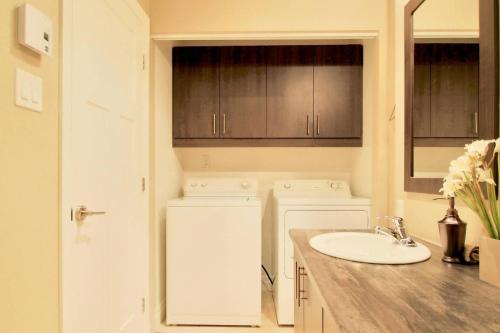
65	187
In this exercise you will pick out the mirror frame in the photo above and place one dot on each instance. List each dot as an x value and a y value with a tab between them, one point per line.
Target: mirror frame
488	87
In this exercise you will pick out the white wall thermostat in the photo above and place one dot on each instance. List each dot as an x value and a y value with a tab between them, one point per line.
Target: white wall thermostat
34	29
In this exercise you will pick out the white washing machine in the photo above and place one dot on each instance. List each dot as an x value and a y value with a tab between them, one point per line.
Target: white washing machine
308	204
214	254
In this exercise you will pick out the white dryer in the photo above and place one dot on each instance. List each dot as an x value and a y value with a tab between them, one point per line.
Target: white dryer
214	254
308	204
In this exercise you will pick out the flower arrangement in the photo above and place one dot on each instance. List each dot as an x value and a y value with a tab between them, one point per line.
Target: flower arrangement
471	179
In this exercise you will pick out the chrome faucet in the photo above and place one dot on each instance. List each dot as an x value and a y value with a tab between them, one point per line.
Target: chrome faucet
398	231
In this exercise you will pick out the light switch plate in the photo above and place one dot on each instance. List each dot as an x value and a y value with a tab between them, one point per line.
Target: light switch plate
29	90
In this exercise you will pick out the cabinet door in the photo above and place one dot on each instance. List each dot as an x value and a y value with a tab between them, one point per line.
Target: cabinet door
289	91
338	91
243	92
454	90
313	312
195	92
422	91
329	324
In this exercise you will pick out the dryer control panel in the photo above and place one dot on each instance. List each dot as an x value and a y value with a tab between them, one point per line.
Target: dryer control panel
312	188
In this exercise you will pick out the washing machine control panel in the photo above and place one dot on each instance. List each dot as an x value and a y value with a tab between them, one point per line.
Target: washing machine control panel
312	188
220	187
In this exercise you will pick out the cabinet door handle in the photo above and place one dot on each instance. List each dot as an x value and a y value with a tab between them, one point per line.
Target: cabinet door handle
300	290
224	123
307	125
476	123
317	124
213	123
296	281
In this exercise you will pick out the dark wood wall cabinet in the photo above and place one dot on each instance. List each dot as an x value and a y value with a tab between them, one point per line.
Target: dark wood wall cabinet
268	96
446	94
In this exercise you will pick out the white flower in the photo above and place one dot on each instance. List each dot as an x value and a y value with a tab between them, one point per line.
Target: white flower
478	149
497	146
484	176
461	168
451	186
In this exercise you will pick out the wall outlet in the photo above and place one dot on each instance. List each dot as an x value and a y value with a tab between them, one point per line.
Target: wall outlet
205	161
29	90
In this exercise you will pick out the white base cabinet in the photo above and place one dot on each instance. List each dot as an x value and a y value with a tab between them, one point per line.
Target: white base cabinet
310	314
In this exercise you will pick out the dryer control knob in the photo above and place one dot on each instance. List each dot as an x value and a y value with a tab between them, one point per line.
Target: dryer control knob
194	184
245	185
204	184
335	186
287	186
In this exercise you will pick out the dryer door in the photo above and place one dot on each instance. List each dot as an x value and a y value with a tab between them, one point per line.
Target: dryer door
319	219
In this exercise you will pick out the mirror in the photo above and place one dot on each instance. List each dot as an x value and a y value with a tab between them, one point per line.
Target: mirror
443	92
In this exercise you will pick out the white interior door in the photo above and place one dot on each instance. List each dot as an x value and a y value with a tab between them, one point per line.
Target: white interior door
104	257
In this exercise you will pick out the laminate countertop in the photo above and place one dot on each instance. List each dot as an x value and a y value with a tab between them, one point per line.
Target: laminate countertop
431	296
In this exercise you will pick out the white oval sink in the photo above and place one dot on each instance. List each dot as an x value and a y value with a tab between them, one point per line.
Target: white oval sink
368	248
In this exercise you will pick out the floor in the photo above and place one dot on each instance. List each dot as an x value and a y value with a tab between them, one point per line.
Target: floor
269	324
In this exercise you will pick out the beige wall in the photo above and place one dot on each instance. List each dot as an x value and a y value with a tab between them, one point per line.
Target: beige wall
198	16
145	5
433	162
420	211
29	184
461	15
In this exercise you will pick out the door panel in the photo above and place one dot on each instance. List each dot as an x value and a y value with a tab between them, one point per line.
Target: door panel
103	257
196	92
319	219
454	90
243	92
338	91
289	91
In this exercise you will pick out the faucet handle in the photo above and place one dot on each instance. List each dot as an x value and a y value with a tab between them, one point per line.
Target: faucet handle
399	230
397	221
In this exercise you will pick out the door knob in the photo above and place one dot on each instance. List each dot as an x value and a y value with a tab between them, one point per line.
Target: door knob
82	212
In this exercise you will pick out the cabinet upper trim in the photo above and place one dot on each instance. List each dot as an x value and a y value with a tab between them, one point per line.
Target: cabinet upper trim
249	36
